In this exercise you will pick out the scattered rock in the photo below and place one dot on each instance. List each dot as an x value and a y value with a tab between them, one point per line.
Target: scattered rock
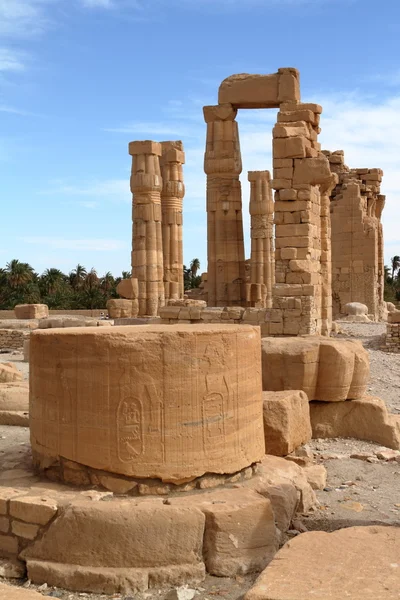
181	593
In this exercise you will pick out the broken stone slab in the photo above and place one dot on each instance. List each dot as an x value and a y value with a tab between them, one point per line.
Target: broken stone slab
14	396
361	563
276	471
9	592
9	373
316	476
365	418
11	569
240	535
287	423
325	369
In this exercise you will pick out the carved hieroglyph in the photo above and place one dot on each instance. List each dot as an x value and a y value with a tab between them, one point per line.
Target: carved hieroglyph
172	402
262	264
147	251
172	195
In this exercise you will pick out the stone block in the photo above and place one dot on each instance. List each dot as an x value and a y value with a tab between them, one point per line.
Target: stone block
139	537
365	418
33	509
9	373
14	396
8	592
313	171
240	535
293	147
316	476
8	545
24	530
355	562
250	91
328	370
120	309
145	147
31	311
181	430
128	288
286	421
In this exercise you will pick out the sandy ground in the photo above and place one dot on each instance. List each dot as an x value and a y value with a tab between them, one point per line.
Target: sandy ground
357	492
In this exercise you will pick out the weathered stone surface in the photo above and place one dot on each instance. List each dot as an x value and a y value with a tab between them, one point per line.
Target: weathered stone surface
139	538
240	535
286	421
8	592
360	563
31	311
9	373
325	369
128	288
14	418
365	418
276	471
33	509
136	406
260	91
11	569
284	500
14	396
316	476
121	309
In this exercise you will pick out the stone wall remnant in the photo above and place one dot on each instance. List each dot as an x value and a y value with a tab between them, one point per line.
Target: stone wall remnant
357	237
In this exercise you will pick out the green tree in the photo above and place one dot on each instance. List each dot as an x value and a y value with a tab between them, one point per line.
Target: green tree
395	264
18	273
194	266
77	277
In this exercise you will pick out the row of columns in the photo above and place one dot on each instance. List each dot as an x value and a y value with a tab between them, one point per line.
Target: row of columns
158	191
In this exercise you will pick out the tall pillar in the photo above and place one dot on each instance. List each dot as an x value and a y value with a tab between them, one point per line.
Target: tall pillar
147	251
225	250
262	274
380	203
299	171
326	255
172	195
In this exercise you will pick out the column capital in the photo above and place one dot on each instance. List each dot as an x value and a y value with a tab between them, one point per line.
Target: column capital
145	147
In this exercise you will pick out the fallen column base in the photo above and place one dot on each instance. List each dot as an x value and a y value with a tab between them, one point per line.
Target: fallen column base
366	418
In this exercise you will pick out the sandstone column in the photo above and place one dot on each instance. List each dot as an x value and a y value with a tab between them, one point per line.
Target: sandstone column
262	273
223	165
326	255
172	195
147	251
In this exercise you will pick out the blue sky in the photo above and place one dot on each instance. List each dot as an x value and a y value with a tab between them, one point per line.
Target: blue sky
79	79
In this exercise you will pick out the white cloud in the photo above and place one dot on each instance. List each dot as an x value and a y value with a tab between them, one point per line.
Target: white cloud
98	3
12	60
115	189
23	18
96	245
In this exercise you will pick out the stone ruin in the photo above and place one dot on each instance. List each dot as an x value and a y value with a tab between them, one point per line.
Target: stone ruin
357	237
323	216
155	437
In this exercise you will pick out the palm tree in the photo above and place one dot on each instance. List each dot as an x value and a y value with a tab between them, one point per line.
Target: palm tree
107	282
52	279
126	275
77	277
395	262
194	266
18	273
91	279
